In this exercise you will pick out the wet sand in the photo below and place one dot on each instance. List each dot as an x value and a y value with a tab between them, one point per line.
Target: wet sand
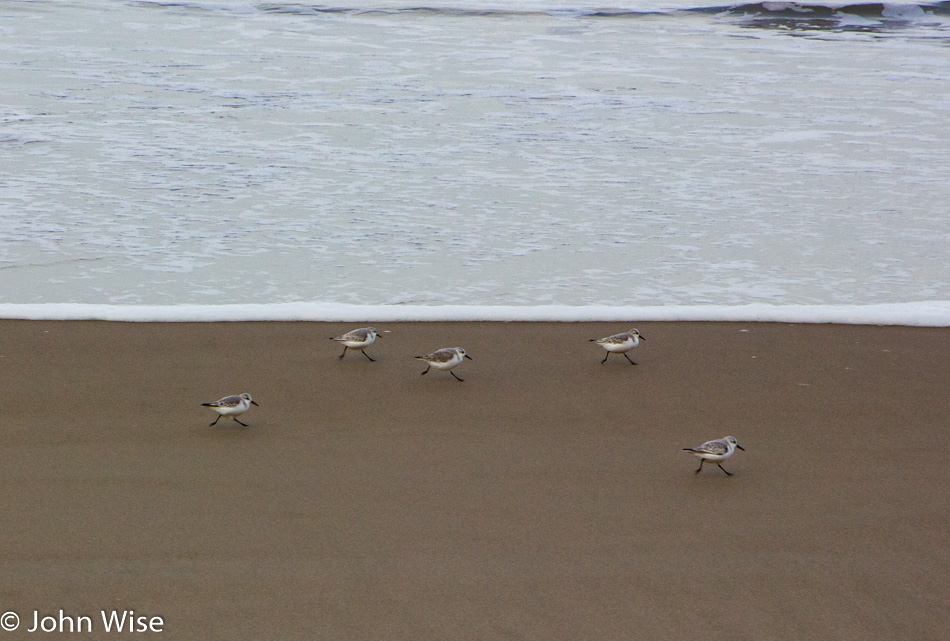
547	497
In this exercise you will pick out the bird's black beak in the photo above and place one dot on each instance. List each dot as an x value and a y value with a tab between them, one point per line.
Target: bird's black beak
254	403
740	447
469	357
642	337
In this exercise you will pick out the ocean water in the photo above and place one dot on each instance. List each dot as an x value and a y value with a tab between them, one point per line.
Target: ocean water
517	155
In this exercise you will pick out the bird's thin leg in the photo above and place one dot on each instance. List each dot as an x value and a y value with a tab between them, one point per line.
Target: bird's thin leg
216	420
460	380
245	424
368	356
701	461
723	469
628	358
344	352
427	370
605	358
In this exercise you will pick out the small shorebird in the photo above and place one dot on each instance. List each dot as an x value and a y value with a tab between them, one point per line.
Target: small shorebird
619	343
718	450
232	406
446	358
358	339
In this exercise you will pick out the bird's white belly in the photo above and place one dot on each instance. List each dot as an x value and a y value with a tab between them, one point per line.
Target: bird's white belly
447	364
619	347
713	457
232	411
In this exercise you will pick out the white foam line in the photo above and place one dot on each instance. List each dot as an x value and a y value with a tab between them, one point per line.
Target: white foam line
921	314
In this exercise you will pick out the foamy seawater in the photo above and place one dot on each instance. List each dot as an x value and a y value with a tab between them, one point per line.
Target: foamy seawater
477	154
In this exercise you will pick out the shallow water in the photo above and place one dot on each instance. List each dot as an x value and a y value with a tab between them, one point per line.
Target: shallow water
263	153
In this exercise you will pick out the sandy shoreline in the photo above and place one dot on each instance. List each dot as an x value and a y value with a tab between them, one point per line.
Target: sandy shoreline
547	497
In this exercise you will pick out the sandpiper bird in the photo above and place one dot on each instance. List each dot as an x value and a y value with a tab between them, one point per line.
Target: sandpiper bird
232	406
619	343
446	358
358	339
718	450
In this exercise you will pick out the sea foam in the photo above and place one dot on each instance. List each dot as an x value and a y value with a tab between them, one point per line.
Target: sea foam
920	314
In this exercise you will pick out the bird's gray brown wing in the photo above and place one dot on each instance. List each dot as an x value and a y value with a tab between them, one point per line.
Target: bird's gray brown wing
713	447
441	356
228	401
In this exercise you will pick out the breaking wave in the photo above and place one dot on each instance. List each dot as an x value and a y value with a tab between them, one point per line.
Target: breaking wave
778	15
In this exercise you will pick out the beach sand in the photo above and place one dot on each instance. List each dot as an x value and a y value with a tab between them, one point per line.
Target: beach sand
547	497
